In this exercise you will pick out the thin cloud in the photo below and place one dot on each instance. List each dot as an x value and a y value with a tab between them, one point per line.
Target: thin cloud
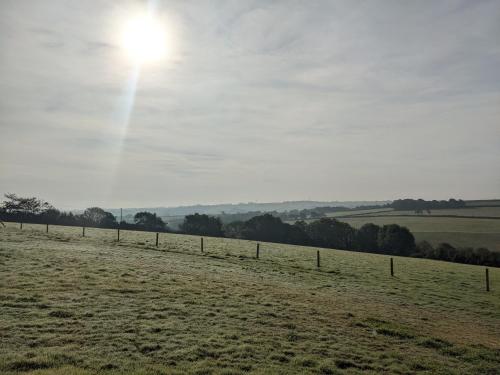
261	101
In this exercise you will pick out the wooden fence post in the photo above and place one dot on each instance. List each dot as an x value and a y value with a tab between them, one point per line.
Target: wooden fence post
392	267
258	251
118	235
21	225
317	259
487	280
83	231
157	239
201	244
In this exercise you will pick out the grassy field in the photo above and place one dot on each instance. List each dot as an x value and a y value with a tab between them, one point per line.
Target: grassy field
73	305
482	203
470	211
474	232
372	211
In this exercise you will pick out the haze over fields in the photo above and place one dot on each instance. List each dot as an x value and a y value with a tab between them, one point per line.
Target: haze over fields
249	101
249	187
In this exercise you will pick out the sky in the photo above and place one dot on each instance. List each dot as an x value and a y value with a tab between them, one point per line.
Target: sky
253	101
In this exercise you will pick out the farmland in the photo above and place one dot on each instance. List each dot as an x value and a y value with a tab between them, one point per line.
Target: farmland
475	226
490	212
372	211
483	203
473	232
73	305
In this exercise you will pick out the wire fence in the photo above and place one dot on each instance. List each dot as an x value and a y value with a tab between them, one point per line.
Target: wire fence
295	256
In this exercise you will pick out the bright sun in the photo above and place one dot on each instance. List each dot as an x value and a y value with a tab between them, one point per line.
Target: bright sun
144	39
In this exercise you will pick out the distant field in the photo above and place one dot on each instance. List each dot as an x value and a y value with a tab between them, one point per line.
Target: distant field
478	203
472	211
360	212
456	231
472	232
73	305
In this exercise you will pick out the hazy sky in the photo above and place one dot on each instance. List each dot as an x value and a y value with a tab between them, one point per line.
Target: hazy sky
255	101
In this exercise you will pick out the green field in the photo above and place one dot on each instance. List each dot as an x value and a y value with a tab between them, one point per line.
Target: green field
73	305
372	211
471	211
473	232
483	203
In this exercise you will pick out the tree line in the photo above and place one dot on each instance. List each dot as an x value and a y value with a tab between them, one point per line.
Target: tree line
423	205
389	239
417	205
37	211
325	232
291	215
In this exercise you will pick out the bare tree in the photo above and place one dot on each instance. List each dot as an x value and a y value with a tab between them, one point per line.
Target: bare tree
31	205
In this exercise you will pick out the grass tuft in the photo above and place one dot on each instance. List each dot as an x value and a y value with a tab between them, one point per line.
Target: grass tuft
61	314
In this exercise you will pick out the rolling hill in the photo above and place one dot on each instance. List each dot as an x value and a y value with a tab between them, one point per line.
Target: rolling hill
92	305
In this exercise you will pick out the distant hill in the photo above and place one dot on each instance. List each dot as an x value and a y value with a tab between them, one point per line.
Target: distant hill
230	208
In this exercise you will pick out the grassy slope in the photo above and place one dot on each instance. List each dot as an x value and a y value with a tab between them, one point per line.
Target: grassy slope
457	231
88	305
471	211
360	212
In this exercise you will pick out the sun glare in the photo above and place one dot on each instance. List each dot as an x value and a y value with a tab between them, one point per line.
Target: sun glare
144	39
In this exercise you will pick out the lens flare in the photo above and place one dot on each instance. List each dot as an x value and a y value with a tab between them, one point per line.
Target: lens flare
144	39
141	33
